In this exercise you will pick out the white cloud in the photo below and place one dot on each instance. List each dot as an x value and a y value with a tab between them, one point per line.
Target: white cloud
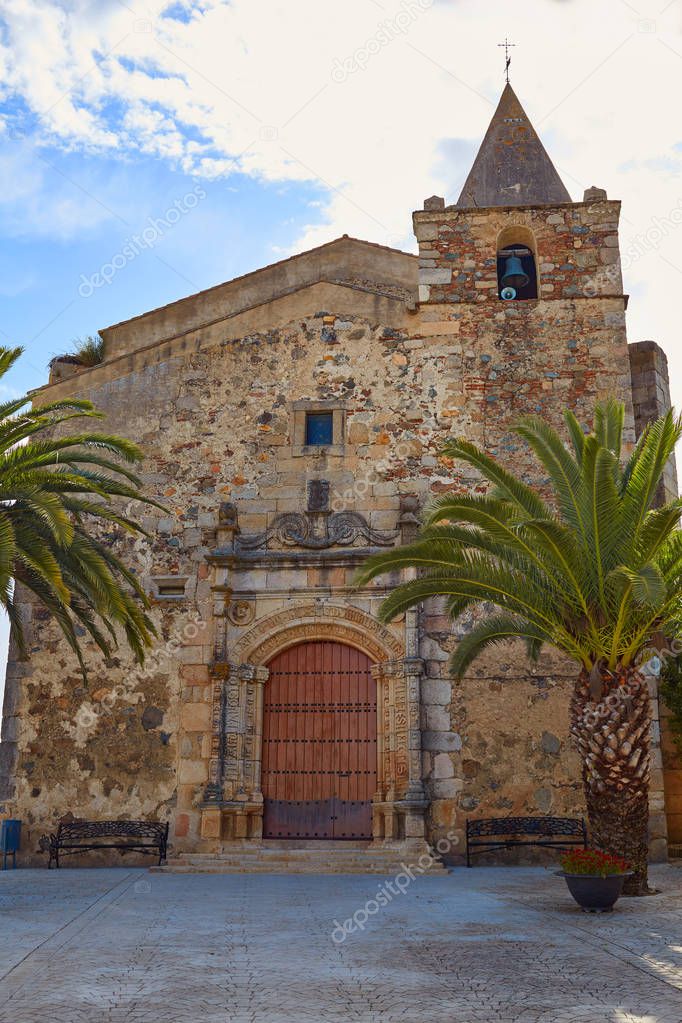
255	85
37	200
13	283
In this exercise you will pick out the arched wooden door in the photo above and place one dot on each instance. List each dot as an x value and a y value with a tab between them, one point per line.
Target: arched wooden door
319	743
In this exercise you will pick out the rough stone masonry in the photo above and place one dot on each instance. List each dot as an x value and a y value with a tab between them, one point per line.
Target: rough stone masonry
391	355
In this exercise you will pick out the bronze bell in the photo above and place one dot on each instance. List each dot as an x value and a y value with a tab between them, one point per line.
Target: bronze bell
514	275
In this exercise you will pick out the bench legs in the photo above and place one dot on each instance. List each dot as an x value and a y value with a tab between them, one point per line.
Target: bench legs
54	848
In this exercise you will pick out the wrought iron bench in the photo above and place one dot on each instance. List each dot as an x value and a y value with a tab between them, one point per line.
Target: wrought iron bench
85	836
490	833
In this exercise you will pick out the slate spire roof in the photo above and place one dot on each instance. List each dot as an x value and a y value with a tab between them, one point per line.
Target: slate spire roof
512	167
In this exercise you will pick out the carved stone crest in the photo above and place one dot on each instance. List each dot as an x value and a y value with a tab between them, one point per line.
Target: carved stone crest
241	612
299	529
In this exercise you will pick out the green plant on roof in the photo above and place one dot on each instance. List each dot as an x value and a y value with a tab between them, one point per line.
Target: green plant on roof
89	350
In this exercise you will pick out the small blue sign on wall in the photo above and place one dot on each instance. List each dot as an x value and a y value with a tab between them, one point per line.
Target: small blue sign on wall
10	840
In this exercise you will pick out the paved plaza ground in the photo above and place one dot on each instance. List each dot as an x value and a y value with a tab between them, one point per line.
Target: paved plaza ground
489	944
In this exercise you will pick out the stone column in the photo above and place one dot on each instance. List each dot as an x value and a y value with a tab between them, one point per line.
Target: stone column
260	677
252	680
401	801
413	668
658	824
233	803
211	806
384	824
219	674
235	725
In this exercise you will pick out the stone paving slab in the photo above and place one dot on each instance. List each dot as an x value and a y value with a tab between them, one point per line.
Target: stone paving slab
488	944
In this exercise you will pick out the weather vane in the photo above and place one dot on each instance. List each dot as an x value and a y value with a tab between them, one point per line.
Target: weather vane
507	57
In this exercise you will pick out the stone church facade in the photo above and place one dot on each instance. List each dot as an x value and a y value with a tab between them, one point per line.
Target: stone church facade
293	421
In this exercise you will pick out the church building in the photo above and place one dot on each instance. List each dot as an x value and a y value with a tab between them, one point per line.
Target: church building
293	421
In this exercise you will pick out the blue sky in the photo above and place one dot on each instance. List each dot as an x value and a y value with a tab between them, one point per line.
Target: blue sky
46	291
298	122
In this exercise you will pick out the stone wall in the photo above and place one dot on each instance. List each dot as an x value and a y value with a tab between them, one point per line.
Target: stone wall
496	742
651	398
565	349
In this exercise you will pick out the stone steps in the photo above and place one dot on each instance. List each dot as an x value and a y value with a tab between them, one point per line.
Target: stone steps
292	858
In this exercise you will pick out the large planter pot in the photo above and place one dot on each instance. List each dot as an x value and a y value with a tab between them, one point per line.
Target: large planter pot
595	894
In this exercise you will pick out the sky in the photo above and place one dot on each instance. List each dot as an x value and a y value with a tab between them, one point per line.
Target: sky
152	149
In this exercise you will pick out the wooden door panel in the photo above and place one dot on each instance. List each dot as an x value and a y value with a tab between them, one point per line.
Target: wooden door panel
319	743
294	818
352	818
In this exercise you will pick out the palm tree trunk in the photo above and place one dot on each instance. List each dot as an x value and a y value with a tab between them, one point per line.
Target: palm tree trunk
612	732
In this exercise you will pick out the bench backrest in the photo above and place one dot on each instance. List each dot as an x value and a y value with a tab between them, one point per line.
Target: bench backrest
492	826
106	829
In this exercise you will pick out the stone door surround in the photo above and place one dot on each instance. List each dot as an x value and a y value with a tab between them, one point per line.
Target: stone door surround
232	808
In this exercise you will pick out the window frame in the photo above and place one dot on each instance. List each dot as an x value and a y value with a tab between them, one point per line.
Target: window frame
300	414
169	587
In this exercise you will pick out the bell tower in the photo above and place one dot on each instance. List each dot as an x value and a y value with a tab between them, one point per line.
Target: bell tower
521	311
523	288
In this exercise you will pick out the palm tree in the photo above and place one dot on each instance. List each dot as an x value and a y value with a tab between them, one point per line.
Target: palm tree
62	499
594	571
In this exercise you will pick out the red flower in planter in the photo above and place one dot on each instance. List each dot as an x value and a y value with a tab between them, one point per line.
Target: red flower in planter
593	862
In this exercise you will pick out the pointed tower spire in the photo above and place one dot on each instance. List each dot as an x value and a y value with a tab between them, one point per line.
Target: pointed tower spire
512	167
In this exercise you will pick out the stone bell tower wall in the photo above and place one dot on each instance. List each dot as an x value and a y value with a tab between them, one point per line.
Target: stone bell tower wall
497	742
565	349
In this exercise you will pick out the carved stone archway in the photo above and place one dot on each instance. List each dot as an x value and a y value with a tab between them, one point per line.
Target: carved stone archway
233	803
340	622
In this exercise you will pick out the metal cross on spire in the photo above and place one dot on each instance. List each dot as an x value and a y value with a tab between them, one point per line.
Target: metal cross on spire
507	57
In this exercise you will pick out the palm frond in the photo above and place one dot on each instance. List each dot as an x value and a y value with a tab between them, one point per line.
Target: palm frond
609	419
563	470
577	435
508	485
593	573
8	356
60	489
493	631
646	466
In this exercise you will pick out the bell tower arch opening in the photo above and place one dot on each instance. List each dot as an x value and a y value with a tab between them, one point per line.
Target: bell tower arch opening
517	274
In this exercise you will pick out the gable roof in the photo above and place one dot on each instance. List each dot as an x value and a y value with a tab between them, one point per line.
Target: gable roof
512	167
345	260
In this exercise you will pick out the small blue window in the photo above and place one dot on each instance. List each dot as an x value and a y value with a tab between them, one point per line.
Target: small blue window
319	428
